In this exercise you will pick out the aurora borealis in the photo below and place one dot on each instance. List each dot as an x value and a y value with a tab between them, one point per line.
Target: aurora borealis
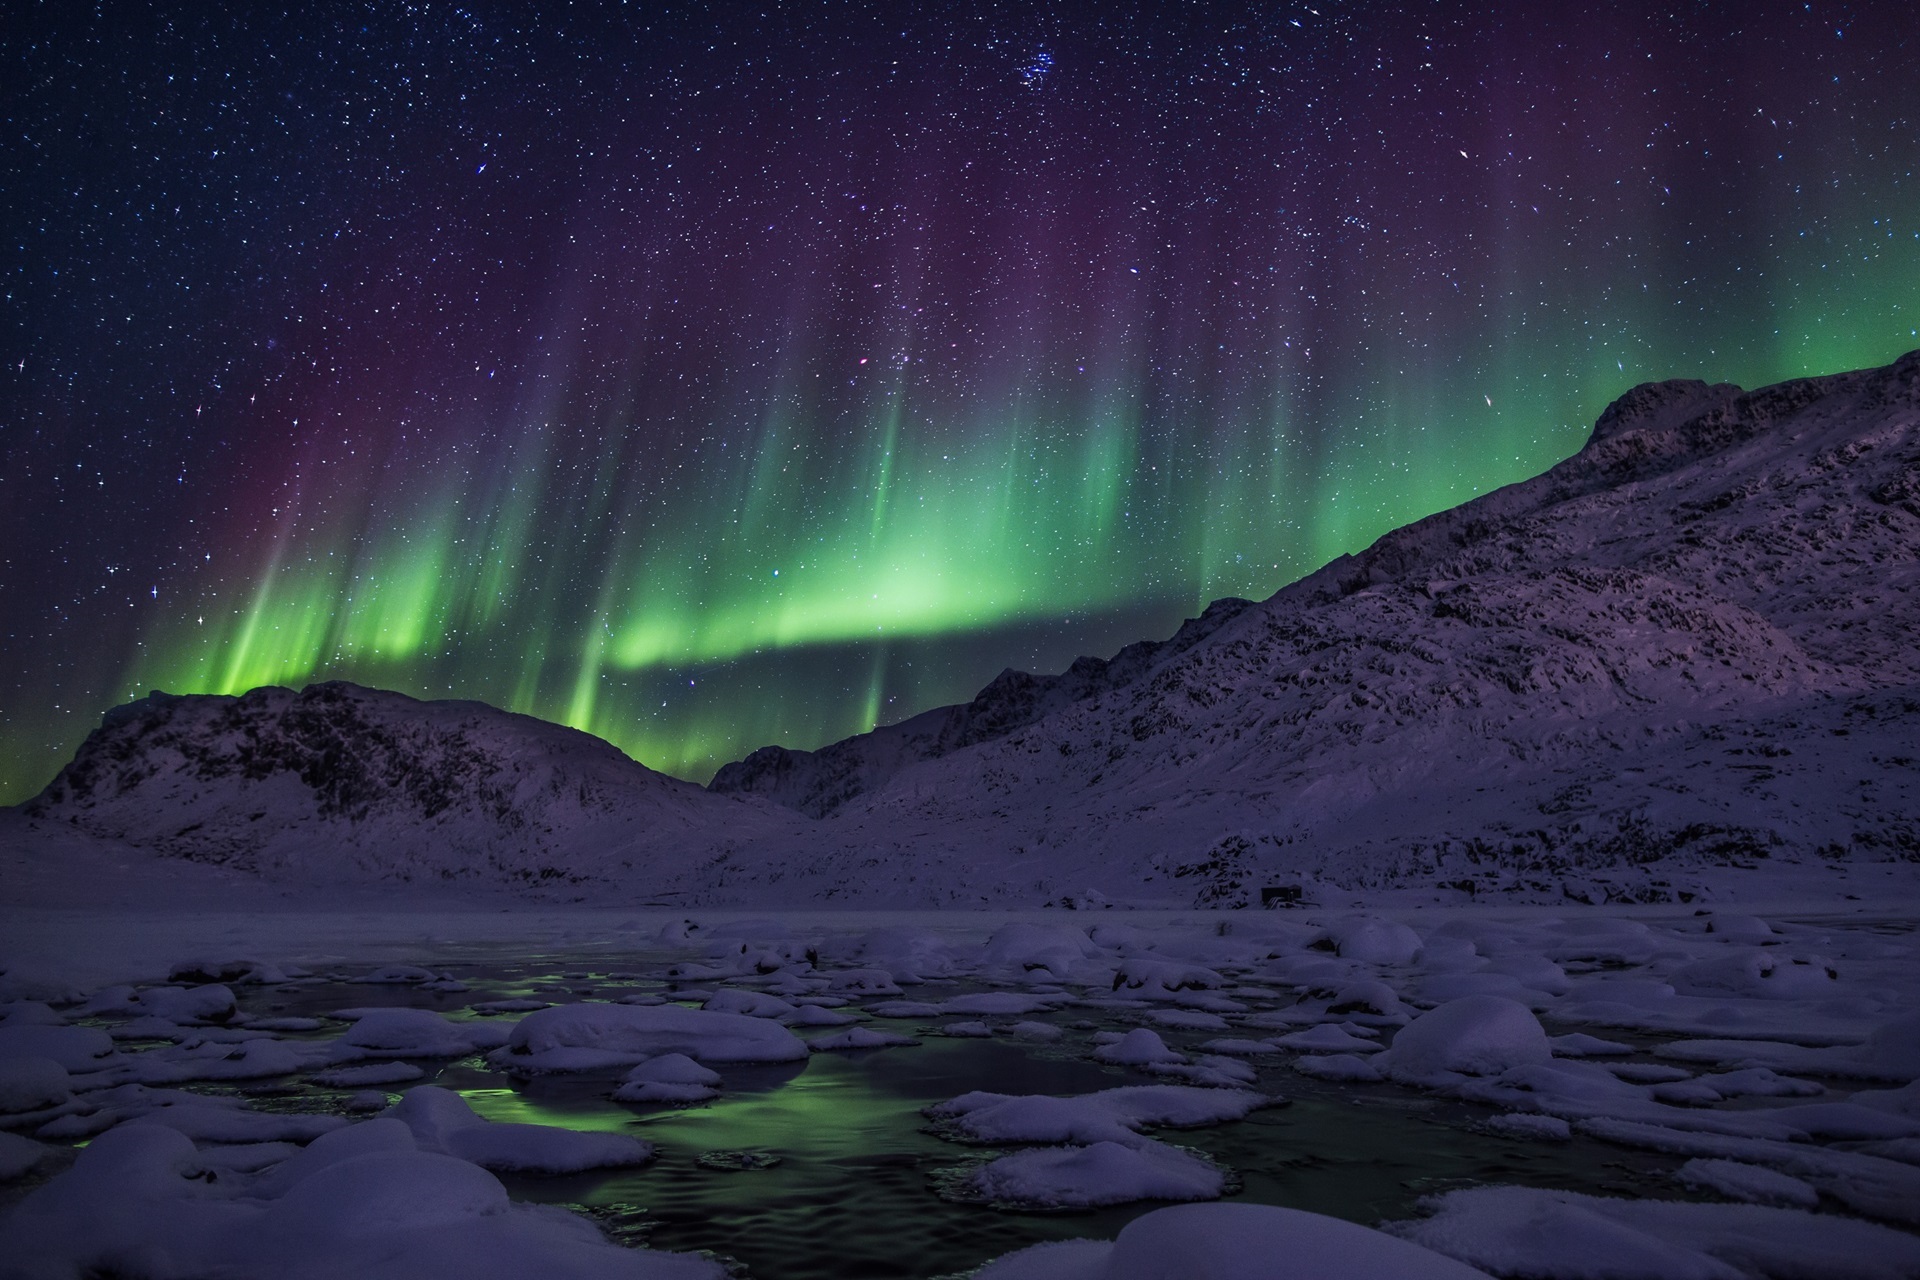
714	375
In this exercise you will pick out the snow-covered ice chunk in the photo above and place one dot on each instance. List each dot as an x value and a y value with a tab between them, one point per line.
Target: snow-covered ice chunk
1327	1038
1161	979
907	954
1110	1115
753	1004
858	1038
675	1068
1374	941
906	1009
209	1003
871	982
229	969
1561	1235
1738	928
1037	1031
1869	1184
671	1077
972	1030
1581	1045
371	1074
214	1060
809	1015
1099	1174
1758	1082
1846	1122
1748	1182
383	1134
77	1049
31	1084
19	1156
1891	1052
442	1121
125	1197
23	1013
1137	1048
1597	940
1231	1241
595	1036
1056	948
1532	971
1369	1000
415	1033
225	1120
1188	1020
1472	1036
1755	973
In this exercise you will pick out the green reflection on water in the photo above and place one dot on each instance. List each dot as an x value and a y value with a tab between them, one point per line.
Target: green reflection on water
852	1195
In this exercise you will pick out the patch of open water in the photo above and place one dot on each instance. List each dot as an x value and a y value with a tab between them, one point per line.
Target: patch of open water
840	1165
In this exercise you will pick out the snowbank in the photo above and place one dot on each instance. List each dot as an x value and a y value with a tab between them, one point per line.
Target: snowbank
1232	1242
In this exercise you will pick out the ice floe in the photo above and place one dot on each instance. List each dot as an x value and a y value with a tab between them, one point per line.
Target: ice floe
1563	1235
1232	1242
140	1200
587	1037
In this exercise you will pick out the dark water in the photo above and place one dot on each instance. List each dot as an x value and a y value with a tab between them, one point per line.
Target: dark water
847	1178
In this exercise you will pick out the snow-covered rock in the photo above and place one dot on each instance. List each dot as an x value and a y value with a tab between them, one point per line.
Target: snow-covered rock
1231	1242
416	1033
1562	1235
576	1037
364	1202
1471	1036
29	1084
671	1077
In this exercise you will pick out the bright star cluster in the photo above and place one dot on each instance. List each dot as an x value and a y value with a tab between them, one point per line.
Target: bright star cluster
710	375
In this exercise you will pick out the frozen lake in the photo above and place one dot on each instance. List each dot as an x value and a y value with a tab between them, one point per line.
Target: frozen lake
1610	1057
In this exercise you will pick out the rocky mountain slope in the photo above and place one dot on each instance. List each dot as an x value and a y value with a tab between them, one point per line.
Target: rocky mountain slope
1686	648
341	783
1689	644
817	783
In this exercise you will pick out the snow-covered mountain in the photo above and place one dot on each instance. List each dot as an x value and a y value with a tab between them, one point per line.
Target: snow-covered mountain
336	783
1687	647
818	782
1689	644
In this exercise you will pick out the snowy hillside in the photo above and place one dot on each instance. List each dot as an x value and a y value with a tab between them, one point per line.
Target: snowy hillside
1685	649
818	782
340	783
1687	646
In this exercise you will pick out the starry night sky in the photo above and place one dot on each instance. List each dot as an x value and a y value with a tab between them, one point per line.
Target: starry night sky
708	376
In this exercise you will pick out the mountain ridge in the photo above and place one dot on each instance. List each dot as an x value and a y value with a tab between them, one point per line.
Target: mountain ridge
1685	647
